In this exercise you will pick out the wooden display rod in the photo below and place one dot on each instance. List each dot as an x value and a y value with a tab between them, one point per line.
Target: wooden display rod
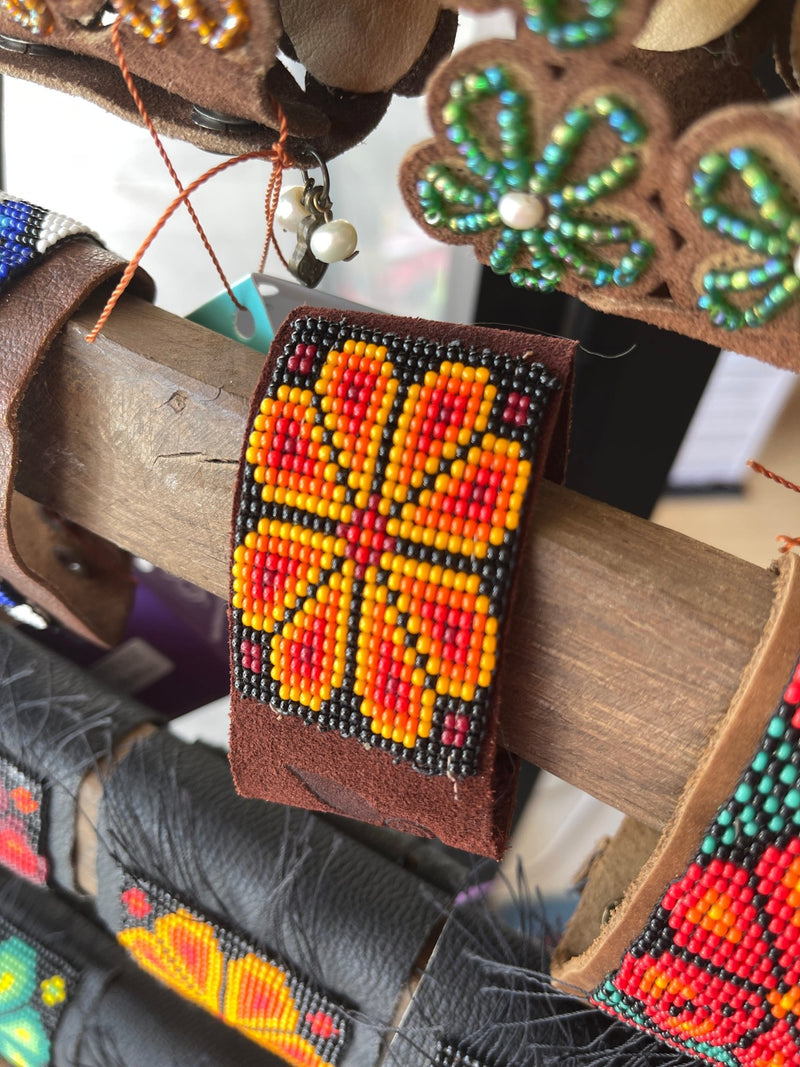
627	641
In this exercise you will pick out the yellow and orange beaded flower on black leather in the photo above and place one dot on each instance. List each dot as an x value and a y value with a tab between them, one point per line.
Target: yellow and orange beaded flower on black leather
378	525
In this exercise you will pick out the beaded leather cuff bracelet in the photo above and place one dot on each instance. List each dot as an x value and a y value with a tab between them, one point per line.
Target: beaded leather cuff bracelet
51	264
385	481
27	232
212	73
715	968
57	725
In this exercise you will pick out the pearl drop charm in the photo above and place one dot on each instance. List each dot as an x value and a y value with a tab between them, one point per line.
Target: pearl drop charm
333	241
291	210
521	211
796	263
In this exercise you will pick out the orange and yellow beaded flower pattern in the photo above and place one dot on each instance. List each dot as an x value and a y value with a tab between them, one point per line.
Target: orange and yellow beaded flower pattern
383	488
229	978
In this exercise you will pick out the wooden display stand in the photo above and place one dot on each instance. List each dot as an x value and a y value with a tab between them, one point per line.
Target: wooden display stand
628	640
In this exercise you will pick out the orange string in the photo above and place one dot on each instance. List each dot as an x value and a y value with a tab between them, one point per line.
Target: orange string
126	74
788	543
759	469
277	154
130	270
282	162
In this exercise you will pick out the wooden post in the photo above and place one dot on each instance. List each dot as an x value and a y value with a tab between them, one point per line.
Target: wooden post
627	640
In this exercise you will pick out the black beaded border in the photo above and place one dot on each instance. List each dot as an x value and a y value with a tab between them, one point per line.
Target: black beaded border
725	841
307	998
412	357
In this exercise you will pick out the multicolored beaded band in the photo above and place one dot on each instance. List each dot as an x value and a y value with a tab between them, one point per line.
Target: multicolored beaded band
230	978
27	233
35	986
21	822
376	534
716	971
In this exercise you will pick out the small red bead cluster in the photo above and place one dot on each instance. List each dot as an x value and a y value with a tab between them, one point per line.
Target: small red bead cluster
382	495
231	978
716	972
516	410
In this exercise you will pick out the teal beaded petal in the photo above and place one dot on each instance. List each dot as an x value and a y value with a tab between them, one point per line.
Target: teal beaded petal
545	18
773	231
466	199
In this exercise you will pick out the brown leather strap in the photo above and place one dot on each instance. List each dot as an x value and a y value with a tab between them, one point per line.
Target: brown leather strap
237	89
78	578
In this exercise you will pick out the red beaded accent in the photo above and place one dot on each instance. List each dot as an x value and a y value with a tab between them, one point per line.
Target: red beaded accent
383	490
716	972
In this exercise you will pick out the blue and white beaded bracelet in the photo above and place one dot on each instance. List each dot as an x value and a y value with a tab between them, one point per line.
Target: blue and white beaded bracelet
28	232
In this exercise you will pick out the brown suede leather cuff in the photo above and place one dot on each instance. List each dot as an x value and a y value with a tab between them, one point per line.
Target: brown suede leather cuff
361	712
95	601
241	86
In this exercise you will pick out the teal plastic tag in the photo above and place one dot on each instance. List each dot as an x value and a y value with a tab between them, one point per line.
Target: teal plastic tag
266	303
250	326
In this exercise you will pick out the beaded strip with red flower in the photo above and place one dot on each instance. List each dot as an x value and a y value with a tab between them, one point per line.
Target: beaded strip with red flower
383	489
716	972
230	978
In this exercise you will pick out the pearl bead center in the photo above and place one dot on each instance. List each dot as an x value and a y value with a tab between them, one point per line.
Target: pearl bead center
521	211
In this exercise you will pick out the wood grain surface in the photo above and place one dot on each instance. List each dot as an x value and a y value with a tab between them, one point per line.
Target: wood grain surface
627	641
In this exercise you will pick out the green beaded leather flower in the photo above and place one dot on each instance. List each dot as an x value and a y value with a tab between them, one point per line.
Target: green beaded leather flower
547	225
774	233
544	17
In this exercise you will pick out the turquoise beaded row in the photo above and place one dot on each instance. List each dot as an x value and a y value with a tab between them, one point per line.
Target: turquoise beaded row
542	17
775	233
449	201
716	970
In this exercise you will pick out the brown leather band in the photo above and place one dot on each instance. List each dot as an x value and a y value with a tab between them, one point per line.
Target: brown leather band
78	578
408	739
238	89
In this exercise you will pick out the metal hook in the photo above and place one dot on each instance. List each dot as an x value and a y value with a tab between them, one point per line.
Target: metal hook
317	197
